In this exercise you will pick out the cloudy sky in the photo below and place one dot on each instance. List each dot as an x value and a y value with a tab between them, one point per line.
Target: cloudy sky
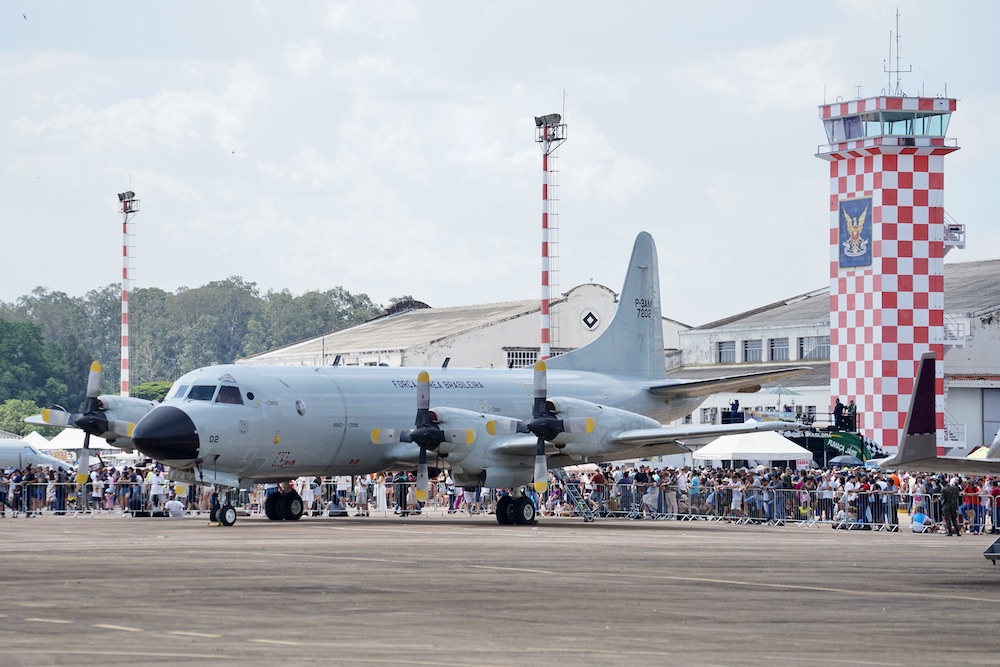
388	147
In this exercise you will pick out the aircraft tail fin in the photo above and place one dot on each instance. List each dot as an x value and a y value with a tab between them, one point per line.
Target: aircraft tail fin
633	342
919	439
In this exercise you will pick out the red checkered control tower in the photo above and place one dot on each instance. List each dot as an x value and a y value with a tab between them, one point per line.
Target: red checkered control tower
888	239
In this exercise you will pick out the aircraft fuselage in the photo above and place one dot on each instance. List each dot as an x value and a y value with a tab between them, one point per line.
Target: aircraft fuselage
293	421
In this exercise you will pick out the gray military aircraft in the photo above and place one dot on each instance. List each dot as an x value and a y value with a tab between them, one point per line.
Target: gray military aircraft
239	425
16	453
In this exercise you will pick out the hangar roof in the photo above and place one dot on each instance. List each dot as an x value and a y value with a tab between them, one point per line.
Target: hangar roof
969	287
399	331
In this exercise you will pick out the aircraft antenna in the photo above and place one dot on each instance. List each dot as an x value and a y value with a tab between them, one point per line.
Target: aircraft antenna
550	133
128	206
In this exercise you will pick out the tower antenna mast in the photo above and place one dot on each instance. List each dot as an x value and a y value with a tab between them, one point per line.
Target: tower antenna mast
128	206
898	89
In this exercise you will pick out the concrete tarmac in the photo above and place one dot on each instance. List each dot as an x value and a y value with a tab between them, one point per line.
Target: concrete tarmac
460	590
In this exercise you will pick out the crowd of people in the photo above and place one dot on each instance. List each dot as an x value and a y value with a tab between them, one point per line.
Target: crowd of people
845	498
34	491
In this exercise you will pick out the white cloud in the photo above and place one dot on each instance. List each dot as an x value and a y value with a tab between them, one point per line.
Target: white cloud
779	77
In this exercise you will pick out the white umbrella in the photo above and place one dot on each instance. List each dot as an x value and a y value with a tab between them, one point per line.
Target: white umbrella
779	391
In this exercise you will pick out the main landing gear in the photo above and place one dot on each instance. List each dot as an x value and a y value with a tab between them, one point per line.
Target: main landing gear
284	504
511	510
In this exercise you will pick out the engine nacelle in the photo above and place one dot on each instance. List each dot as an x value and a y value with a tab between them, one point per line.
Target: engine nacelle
608	419
508	477
124	408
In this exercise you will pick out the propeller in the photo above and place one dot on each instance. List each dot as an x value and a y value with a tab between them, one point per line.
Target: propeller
547	426
92	421
425	433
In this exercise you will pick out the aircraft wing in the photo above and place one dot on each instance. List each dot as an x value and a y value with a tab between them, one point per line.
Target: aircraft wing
697	388
665	440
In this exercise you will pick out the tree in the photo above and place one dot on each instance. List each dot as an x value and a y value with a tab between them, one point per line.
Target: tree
31	368
12	414
151	391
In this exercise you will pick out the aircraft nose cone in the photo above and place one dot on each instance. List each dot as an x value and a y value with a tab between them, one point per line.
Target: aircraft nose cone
166	433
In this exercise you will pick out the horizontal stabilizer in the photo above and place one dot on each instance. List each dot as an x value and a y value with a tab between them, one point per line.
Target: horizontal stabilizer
697	388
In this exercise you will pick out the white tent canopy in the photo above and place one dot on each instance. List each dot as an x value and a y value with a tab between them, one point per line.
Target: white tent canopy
38	440
72	438
759	446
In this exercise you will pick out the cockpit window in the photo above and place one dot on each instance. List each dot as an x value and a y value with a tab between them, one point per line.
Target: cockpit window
202	392
177	391
229	395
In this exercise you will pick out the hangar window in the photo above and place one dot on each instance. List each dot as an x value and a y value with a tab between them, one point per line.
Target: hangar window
725	352
777	349
229	395
521	358
752	350
202	392
709	415
814	347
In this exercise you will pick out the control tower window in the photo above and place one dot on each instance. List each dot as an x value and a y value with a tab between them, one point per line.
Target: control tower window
933	125
229	395
202	392
898	123
852	127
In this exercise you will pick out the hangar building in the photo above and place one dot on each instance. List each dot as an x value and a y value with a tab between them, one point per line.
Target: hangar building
794	331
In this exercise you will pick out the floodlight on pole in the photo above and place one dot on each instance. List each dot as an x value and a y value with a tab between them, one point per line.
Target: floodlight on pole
128	207
550	133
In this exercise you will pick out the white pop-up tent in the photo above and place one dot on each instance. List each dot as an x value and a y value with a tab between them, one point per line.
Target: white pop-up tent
72	438
759	446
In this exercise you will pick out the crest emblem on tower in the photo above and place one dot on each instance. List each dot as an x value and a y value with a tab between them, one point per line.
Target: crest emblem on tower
855	232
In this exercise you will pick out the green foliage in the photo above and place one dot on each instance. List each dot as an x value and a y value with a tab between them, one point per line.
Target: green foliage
48	339
12	414
151	391
31	368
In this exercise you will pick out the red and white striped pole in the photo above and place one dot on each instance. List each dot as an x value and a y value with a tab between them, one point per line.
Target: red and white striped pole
544	351
550	133
129	207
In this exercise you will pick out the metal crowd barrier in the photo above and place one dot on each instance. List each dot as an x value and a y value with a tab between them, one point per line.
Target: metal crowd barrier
872	510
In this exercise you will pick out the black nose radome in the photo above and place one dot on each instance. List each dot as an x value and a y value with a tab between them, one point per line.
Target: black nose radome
166	433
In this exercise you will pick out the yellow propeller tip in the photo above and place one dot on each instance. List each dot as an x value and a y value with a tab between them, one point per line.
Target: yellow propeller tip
421	496
541	486
95	366
423	376
539	365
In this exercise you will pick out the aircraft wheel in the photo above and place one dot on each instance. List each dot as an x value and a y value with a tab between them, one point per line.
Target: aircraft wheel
505	510
271	506
227	515
291	506
523	511
213	514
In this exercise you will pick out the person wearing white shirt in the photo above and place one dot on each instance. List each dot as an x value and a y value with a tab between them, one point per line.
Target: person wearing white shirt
174	508
156	482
